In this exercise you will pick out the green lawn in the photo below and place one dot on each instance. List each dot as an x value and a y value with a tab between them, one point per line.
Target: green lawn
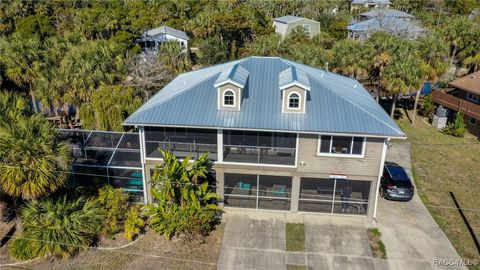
295	235
443	164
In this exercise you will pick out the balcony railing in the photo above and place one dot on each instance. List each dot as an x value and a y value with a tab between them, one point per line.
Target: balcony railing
180	149
457	104
259	154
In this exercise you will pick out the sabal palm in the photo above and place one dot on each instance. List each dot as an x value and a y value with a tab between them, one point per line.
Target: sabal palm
402	76
351	57
11	107
57	228
32	161
21	58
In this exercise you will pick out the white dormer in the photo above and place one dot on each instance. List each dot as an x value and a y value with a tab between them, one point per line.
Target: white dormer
294	85
230	85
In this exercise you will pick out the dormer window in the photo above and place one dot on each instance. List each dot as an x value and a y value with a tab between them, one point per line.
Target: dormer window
294	101
229	98
294	84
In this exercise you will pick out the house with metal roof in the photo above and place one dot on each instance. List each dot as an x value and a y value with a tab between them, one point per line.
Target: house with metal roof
286	24
395	22
462	95
151	40
283	136
355	4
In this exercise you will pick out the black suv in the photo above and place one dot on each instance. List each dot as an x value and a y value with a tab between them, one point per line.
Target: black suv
396	184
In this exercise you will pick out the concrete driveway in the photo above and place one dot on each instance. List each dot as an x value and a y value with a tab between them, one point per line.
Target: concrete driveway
412	237
256	239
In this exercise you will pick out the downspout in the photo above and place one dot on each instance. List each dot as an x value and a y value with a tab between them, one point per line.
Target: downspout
380	173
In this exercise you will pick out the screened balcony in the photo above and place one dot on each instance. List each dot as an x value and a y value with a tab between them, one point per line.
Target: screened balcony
100	158
259	147
182	142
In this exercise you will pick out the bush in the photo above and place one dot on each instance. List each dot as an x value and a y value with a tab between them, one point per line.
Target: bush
134	223
428	108
114	202
57	228
186	202
457	128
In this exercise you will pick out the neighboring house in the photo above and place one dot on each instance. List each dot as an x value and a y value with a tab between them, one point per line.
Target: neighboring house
151	40
282	135
463	96
356	4
395	22
285	25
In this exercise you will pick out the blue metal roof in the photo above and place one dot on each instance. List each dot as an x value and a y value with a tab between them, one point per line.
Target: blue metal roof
235	74
292	76
388	24
162	30
335	104
386	13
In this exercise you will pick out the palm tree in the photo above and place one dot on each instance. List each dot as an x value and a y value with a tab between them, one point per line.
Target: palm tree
401	77
456	28
351	58
32	161
57	228
434	53
12	106
21	59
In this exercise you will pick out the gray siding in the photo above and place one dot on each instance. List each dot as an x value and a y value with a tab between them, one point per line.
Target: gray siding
355	168
314	26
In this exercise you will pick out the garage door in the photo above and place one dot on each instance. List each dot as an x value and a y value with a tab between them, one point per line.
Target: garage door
257	191
334	196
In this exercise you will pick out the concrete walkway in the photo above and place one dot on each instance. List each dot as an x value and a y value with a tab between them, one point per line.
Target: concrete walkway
256	239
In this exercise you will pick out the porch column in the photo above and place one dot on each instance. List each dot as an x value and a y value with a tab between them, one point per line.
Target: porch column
141	138
295	194
380	173
220	145
219	174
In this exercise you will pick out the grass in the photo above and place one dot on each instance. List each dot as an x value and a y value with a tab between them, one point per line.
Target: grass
375	239
295	235
443	164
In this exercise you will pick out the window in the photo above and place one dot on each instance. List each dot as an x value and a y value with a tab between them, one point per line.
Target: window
472	121
341	146
229	98
472	97
294	101
307	27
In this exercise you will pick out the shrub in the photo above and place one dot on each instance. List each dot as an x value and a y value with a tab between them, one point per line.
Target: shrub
134	223
428	108
186	202
114	202
57	228
457	128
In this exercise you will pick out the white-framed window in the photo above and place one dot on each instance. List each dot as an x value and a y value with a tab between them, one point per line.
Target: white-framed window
229	98
472	121
307	27
343	146
472	97
294	101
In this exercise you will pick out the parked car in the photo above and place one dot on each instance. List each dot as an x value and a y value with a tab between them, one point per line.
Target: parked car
395	183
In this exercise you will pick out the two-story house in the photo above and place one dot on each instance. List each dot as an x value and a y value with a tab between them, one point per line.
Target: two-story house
462	96
283	136
286	24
